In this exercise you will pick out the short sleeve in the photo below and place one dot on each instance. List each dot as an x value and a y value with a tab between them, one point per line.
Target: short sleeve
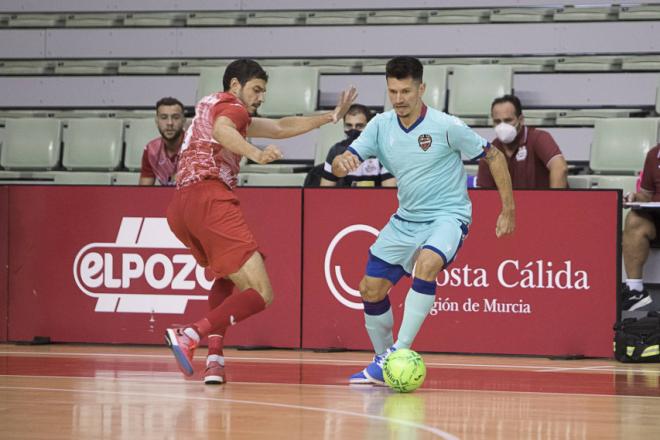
462	138
546	147
366	145
234	111
146	170
336	150
484	176
647	175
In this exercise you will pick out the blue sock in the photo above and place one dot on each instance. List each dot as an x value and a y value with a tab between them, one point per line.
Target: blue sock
419	302
378	320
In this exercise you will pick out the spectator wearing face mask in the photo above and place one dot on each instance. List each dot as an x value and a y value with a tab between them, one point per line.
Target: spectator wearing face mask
370	172
533	156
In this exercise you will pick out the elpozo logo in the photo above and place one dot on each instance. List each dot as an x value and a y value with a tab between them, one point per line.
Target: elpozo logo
344	293
146	270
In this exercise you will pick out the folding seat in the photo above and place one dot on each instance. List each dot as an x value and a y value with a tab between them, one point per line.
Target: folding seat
620	145
93	144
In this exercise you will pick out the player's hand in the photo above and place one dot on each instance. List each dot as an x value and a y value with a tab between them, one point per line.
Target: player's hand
506	223
347	162
268	155
346	99
629	197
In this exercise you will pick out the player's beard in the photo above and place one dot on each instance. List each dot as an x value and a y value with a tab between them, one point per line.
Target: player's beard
176	135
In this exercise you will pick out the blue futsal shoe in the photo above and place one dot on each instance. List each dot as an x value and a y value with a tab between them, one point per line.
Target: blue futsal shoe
373	374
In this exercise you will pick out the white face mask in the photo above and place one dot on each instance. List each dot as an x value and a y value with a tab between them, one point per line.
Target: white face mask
506	133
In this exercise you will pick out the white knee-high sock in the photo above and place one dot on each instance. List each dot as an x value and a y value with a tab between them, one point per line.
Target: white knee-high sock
378	320
419	302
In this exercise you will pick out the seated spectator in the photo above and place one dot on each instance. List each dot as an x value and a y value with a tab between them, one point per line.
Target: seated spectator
161	155
535	160
370	172
640	230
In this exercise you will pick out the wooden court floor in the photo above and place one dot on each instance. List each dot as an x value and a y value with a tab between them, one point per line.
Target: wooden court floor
118	392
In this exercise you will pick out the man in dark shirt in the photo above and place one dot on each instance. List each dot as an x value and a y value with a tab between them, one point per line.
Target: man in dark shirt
534	159
370	172
640	230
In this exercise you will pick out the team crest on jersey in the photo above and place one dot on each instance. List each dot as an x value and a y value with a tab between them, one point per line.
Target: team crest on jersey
424	141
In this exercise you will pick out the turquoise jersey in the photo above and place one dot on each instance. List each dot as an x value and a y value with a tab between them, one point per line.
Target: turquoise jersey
426	161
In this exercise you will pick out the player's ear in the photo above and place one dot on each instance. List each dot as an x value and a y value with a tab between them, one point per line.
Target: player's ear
422	88
234	84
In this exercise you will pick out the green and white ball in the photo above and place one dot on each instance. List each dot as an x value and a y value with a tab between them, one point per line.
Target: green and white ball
404	370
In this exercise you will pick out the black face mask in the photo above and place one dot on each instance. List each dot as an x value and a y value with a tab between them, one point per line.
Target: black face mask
352	134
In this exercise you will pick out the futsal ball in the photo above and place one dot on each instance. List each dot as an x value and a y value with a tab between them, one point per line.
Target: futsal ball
404	370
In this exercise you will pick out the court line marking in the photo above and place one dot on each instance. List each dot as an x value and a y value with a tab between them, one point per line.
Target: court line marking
537	368
420	426
346	386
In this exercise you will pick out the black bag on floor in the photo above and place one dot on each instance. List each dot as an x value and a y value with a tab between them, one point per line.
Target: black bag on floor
638	340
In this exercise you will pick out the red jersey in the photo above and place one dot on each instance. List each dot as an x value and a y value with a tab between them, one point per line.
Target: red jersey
202	157
528	166
651	174
156	163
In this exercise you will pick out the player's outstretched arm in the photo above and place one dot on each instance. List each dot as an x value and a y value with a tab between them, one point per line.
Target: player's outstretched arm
506	221
224	132
344	164
294	125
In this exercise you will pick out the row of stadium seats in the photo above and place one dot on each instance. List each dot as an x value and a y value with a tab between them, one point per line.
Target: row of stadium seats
559	63
110	144
336	17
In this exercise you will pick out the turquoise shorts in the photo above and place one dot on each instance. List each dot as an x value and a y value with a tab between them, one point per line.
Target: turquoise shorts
400	241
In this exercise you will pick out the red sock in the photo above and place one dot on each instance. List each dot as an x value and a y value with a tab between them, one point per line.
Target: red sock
232	311
221	290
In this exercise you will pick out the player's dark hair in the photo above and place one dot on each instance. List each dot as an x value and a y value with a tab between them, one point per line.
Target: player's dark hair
508	98
243	69
357	109
404	67
168	100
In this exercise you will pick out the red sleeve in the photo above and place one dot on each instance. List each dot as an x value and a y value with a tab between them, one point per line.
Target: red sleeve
484	177
649	168
546	148
236	112
146	170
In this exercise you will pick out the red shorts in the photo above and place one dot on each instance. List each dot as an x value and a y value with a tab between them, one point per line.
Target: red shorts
207	218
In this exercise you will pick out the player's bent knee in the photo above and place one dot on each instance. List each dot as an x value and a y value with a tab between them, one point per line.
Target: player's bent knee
371	292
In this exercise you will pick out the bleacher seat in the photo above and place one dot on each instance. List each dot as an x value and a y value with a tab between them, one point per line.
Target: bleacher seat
274	18
81	178
525	15
579	181
26	67
196	66
584	117
625	183
588	63
86	67
585	13
395	17
137	133
215	18
148	67
435	95
31	143
328	135
291	91
641	62
473	88
449	16
210	81
159	19
528	64
125	179
93	20
639	12
331	65
657	99
620	144
271	179
93	144
336	17
35	20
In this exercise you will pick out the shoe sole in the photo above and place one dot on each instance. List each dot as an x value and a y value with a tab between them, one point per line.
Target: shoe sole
373	380
184	364
641	303
214	380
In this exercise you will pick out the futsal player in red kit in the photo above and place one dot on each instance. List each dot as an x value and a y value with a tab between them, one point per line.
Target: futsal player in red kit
205	213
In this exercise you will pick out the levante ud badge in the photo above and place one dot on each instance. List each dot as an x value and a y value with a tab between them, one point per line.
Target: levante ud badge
424	141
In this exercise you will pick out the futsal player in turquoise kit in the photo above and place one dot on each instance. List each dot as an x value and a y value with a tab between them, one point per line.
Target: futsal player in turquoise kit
422	148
